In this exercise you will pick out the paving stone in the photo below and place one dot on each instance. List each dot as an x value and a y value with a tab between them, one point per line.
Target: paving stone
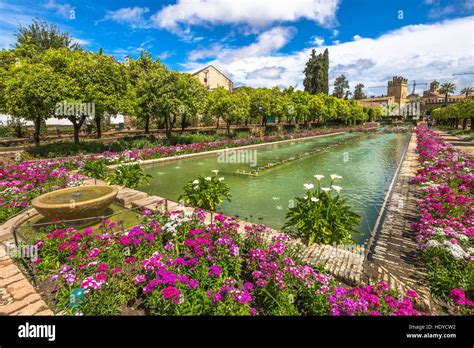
17	305
10	280
32	308
46	312
8	271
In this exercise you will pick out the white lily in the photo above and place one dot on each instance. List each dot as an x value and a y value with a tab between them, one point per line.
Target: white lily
215	171
319	177
196	182
314	199
308	186
208	178
326	189
221	179
335	176
337	188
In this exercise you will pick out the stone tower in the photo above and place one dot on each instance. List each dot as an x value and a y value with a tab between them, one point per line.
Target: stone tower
434	87
397	88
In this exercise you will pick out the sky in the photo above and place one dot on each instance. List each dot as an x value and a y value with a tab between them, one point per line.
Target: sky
266	43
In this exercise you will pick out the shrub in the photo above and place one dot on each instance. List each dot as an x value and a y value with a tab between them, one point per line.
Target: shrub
321	217
127	175
95	168
206	192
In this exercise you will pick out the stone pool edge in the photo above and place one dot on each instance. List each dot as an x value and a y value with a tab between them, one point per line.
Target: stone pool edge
211	152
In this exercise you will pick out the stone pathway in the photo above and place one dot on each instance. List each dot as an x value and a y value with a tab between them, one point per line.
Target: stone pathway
17	295
394	256
463	144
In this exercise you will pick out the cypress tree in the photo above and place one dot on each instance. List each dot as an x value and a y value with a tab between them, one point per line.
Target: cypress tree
326	72
316	73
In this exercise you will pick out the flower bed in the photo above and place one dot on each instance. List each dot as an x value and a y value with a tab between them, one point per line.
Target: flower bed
20	183
446	228
176	264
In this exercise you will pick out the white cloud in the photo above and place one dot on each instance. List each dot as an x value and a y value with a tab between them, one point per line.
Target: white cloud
82	42
270	73
7	40
64	10
267	42
202	53
133	16
317	41
419	52
250	12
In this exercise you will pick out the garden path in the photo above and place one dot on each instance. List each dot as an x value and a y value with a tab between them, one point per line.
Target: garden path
463	144
394	256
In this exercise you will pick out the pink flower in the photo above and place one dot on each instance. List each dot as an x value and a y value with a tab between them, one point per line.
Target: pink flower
102	267
215	271
140	279
170	292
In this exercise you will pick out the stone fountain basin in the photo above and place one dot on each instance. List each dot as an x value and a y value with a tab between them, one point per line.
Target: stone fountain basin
75	202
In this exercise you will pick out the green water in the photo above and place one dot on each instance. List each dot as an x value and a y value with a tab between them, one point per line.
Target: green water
366	161
82	194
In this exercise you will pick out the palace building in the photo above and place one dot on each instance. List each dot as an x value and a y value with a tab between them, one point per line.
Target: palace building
212	78
397	94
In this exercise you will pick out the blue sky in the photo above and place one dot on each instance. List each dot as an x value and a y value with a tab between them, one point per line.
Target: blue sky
266	43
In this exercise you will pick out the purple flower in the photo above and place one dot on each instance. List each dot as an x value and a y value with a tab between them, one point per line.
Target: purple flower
215	271
193	284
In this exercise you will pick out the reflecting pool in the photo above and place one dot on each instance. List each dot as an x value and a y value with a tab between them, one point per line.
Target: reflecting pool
366	161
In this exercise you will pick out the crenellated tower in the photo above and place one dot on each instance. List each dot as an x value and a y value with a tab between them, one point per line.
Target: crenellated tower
397	88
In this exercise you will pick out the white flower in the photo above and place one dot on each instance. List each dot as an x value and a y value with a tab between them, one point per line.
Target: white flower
215	171
319	177
456	250
314	199
462	237
337	188
196	182
308	186
208	178
335	176
326	189
432	243
221	179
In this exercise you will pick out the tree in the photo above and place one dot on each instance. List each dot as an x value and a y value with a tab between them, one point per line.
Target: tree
301	101
191	94
146	77
316	73
358	91
215	103
260	105
108	87
32	91
42	36
467	91
447	88
326	72
236	107
317	108
341	85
